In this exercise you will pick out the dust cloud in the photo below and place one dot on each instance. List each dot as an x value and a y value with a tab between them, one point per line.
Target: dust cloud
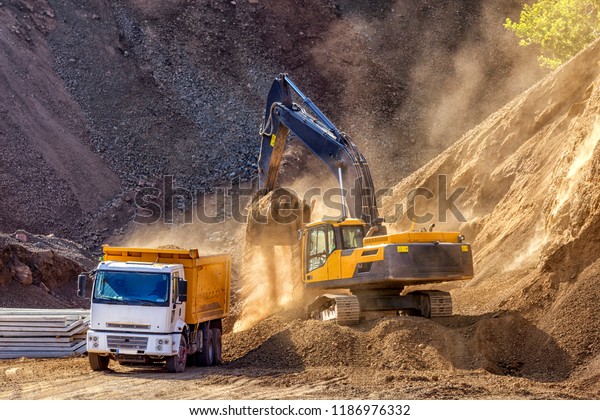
270	275
439	72
485	72
530	253
270	283
189	236
582	157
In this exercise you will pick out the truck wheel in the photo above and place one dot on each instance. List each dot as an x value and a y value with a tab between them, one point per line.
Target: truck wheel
98	362
192	358
217	347
207	356
177	363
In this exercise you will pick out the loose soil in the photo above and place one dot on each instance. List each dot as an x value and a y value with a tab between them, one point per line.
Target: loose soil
287	358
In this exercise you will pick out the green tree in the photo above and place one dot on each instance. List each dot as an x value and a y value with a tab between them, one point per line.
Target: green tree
561	28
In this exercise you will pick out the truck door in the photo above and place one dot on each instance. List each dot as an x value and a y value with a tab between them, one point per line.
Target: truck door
176	305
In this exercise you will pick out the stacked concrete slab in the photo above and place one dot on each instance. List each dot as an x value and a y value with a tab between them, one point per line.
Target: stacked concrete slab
42	332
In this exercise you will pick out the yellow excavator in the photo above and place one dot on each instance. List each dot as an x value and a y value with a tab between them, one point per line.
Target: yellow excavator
353	252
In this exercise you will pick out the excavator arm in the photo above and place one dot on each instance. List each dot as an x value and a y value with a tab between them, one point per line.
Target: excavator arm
320	136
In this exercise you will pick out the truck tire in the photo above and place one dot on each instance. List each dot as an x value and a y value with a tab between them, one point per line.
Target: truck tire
98	362
217	347
193	358
177	362
207	356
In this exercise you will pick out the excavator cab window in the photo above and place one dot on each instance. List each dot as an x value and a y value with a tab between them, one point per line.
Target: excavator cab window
320	244
352	236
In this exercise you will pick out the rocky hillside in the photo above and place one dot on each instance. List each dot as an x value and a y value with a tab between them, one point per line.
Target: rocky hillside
49	175
39	271
102	98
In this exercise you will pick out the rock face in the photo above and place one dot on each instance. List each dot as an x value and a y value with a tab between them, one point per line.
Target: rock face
21	273
40	272
49	177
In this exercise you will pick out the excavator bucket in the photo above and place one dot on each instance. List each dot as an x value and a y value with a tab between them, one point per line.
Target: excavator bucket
275	218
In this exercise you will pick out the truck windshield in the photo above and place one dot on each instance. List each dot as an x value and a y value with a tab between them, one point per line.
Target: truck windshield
131	288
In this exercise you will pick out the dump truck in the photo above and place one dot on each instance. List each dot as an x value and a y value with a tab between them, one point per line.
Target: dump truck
355	251
151	306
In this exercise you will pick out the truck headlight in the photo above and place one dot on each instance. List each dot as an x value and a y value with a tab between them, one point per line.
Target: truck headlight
159	343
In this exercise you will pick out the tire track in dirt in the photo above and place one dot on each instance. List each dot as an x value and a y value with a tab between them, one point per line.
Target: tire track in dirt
71	379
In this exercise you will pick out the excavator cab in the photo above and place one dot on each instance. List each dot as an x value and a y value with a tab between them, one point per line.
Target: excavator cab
325	242
320	245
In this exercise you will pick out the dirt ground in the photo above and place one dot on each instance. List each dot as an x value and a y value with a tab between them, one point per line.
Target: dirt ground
283	368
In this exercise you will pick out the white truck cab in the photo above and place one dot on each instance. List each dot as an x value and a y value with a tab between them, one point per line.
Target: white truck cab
137	310
157	305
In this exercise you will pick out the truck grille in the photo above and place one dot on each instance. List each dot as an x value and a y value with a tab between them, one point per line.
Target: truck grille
127	342
128	326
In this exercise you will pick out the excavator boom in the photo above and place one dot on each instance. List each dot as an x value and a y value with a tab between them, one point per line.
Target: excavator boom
321	136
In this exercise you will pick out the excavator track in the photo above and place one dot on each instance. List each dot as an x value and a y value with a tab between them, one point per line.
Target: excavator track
440	303
342	309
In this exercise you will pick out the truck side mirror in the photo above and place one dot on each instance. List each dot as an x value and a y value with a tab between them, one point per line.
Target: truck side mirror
182	287
81	280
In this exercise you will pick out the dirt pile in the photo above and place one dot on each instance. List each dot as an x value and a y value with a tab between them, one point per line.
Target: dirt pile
531	204
40	271
406	344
